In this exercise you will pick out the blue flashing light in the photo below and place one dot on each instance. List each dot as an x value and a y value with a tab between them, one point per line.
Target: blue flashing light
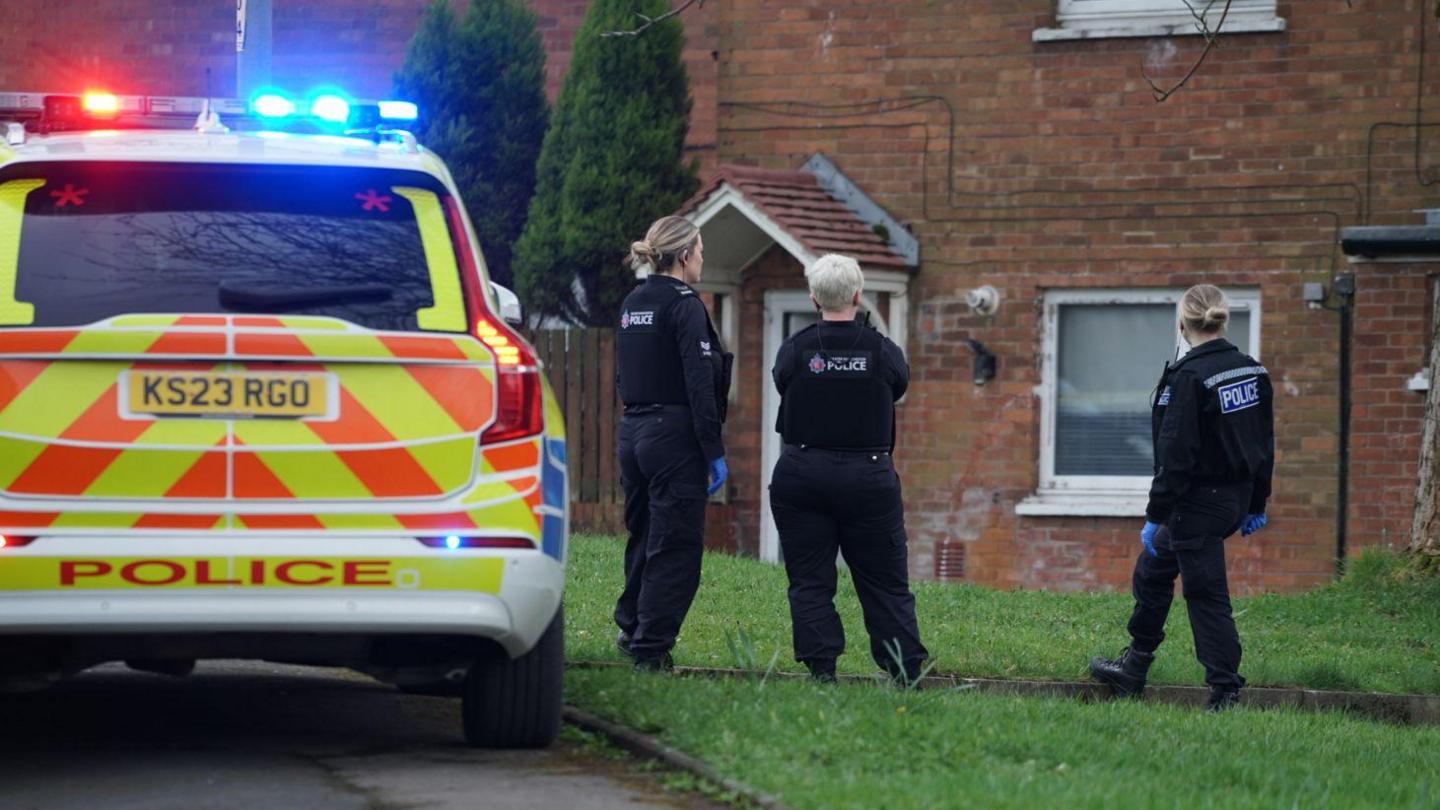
272	105
399	111
330	108
452	542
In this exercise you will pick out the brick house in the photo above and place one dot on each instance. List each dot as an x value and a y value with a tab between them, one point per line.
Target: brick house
1017	144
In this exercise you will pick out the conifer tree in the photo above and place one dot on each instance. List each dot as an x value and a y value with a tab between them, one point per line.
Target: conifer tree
611	164
479	81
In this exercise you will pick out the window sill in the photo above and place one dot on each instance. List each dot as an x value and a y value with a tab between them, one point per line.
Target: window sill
1084	504
1257	25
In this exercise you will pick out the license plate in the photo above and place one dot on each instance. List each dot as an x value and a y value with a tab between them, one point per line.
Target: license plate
225	393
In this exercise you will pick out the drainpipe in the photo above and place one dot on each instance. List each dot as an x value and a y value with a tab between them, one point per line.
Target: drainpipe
1345	290
253	29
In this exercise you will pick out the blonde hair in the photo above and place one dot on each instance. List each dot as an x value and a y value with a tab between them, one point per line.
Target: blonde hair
663	244
1205	310
834	280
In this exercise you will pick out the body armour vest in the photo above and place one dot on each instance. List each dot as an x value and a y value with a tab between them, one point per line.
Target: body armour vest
650	368
839	395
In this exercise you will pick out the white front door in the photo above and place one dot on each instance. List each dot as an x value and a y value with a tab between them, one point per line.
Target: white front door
786	312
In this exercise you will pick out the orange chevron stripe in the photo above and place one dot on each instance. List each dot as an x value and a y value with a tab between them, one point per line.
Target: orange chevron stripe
264	323
447	521
392	473
28	520
356	424
455	390
514	457
162	521
416	348
281	522
101	422
204	479
201	320
46	341
14	376
193	343
274	345
64	470
254	480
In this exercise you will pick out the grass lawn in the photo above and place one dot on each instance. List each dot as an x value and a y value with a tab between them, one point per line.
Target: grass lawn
864	746
1373	631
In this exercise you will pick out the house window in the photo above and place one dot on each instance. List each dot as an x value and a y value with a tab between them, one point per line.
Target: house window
1084	19
1104	351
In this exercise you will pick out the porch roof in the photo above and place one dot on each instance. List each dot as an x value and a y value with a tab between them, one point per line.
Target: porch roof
797	204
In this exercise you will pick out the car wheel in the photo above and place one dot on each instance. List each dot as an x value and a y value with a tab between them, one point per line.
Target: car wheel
515	703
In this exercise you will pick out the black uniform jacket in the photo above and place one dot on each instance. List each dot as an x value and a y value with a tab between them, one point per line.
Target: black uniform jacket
838	384
670	354
1213	422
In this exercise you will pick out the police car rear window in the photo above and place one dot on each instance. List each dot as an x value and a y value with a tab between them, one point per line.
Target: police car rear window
99	240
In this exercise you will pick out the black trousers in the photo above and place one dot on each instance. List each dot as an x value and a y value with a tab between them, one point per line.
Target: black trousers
663	472
827	501
1192	546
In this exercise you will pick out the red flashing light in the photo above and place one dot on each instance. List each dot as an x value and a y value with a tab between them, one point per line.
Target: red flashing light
100	104
455	541
11	541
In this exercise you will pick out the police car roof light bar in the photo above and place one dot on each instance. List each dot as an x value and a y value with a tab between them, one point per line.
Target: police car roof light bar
56	112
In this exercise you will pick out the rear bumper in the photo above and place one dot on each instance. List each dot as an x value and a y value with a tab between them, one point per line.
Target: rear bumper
98	586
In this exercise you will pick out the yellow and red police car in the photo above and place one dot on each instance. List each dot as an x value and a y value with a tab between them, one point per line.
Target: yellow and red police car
258	400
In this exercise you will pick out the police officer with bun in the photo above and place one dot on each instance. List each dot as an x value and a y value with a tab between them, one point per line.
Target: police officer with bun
834	487
674	379
1213	428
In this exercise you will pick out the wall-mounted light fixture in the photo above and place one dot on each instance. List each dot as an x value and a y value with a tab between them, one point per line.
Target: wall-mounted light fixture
985	364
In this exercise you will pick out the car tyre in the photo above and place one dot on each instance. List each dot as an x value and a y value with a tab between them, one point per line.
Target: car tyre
516	703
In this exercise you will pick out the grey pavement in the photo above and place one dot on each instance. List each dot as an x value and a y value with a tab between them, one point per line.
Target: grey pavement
256	735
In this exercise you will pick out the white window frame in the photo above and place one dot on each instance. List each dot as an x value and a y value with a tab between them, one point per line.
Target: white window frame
1103	19
1102	495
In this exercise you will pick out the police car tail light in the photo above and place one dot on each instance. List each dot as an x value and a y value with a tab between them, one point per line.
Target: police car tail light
519	397
453	542
518	401
11	541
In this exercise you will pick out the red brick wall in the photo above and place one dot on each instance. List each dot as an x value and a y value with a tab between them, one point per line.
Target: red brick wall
1392	321
1061	172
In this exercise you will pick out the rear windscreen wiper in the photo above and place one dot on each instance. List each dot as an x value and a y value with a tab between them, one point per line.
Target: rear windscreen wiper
242	297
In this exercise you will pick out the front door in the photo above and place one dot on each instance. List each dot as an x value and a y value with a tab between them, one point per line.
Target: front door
786	312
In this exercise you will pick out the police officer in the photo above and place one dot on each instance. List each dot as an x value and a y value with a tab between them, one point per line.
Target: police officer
674	381
834	486
1214	438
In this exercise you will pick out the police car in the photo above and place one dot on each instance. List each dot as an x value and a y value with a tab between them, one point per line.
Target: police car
258	400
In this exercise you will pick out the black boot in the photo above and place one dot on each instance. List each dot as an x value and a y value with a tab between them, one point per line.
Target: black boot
1124	675
1222	699
622	642
822	670
654	663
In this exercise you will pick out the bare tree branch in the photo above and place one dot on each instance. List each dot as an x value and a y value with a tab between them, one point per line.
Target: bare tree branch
1211	36
649	21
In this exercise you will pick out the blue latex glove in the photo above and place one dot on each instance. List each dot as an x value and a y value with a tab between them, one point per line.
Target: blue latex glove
1253	523
718	473
1147	537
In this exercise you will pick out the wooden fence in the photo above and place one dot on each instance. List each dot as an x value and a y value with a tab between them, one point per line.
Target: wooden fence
580	364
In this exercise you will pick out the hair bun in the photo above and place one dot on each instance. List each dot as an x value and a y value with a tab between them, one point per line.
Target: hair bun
1216	317
644	256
